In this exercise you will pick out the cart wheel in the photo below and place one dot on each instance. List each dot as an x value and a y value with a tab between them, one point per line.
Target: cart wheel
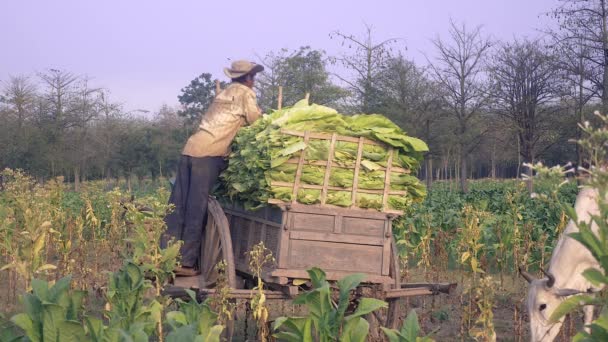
391	316
215	247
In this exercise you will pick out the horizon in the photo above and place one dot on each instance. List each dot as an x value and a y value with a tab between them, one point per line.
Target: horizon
123	48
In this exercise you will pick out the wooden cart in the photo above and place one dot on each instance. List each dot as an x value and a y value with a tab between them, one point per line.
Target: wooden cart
340	241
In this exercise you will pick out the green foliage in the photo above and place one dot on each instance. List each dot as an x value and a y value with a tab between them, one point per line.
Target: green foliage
196	97
51	313
410	331
148	227
509	211
193	322
126	291
26	228
299	72
327	320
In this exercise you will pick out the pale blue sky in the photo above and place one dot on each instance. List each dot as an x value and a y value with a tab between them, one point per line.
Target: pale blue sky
146	51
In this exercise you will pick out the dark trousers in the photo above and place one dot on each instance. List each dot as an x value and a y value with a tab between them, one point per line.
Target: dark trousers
194	181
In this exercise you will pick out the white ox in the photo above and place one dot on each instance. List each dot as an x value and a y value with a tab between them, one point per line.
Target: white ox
564	276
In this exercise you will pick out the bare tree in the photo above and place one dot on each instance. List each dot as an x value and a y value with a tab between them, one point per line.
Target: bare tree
458	69
367	61
525	89
107	129
20	96
583	30
411	99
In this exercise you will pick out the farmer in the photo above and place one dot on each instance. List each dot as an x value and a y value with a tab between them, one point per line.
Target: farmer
204	157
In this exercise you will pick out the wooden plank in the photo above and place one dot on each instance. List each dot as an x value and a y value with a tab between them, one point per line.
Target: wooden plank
338	224
356	174
335	256
387	179
283	257
336	188
363	226
438	287
420	289
242	214
335	164
310	221
327	136
330	158
338	238
387	250
296	182
329	209
399	293
331	275
179	292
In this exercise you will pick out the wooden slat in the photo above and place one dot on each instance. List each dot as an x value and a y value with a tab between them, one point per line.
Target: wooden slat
238	213
387	250
338	224
337	188
356	174
421	289
334	164
347	211
327	136
340	238
387	179
179	292
296	183
283	257
331	275
330	158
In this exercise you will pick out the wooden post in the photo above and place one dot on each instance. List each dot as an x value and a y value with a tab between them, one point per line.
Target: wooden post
307	97
353	195
218	87
387	179
296	182
330	160
280	98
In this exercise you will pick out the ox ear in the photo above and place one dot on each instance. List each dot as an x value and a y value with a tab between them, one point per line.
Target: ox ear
567	292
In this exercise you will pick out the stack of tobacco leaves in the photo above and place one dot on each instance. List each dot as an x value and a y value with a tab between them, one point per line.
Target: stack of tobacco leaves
261	153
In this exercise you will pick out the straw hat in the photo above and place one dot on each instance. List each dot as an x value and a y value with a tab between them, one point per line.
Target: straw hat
242	68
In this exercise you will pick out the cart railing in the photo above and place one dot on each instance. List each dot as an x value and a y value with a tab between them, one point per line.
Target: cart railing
331	163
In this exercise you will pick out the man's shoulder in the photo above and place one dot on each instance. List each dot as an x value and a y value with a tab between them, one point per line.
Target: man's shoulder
238	89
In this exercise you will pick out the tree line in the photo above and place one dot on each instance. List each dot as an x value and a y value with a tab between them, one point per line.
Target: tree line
484	106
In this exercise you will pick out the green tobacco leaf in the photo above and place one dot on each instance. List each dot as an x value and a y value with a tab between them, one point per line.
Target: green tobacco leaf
411	328
355	330
299	146
24	322
595	276
366	306
53	316
568	306
71	331
392	335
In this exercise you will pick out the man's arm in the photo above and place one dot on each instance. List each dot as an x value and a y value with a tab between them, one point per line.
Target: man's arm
252	111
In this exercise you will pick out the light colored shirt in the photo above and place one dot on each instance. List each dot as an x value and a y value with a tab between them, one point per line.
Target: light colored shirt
231	109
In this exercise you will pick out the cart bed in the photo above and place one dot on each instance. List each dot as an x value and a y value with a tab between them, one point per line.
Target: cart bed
339	241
